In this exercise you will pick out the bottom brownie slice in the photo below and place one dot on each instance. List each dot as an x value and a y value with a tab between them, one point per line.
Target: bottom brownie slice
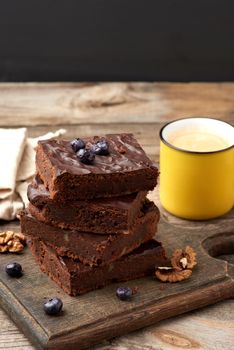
75	278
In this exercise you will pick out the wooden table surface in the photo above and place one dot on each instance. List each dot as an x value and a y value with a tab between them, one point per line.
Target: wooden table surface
142	108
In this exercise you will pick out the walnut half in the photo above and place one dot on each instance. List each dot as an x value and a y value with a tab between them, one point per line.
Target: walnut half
169	274
12	242
184	258
182	263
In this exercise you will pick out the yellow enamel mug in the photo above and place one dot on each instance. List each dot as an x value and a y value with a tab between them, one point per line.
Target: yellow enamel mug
197	168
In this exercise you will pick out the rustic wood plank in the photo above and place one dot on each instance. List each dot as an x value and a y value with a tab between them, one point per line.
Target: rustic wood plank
10	337
146	133
80	103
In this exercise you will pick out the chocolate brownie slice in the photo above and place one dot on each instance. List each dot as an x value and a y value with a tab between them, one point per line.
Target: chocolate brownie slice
90	248
75	278
126	169
101	215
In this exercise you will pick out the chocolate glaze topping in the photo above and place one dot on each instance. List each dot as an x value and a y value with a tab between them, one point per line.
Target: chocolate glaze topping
125	155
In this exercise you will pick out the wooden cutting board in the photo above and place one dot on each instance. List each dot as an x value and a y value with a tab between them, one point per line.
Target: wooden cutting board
99	315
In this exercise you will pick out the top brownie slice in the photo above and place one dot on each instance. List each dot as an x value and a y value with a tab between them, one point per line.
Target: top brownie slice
126	169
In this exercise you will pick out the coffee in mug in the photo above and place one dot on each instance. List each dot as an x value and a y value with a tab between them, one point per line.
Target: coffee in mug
197	167
198	141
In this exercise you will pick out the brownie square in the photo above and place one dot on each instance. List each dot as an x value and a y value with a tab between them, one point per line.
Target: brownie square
90	248
101	215
125	170
75	278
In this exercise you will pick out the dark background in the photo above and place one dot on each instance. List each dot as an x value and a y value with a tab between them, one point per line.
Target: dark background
61	40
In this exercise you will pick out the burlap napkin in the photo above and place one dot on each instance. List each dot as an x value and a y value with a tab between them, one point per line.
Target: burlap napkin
17	167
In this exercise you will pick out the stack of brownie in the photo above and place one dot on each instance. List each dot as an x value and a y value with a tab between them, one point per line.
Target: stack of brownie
89	222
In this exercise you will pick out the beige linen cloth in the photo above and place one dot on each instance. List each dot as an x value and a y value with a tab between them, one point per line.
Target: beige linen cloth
17	167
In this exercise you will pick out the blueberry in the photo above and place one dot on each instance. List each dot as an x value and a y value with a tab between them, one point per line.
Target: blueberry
86	156
77	144
14	269
53	306
124	293
101	148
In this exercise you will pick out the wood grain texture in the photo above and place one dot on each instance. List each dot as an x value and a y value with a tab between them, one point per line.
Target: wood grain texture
211	328
190	331
80	103
42	107
10	337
